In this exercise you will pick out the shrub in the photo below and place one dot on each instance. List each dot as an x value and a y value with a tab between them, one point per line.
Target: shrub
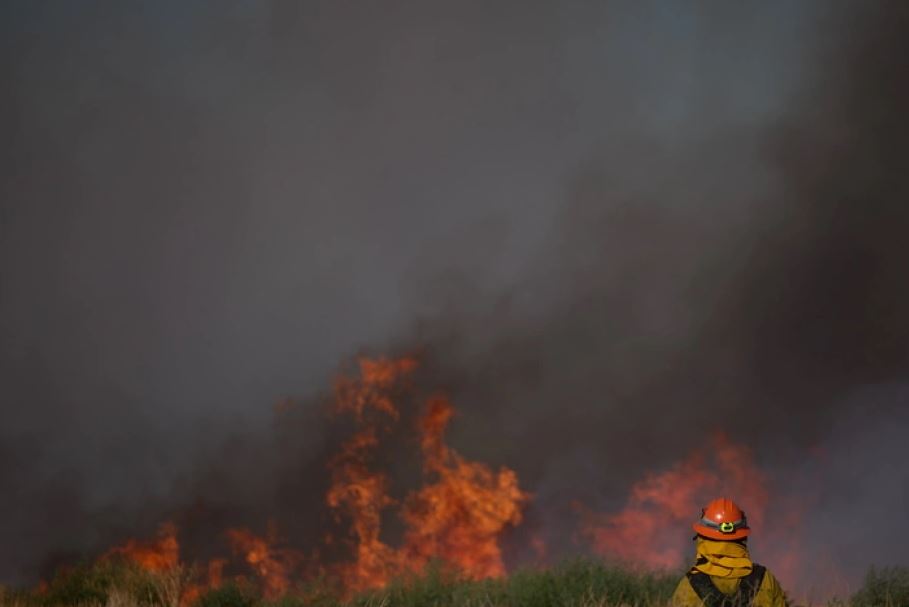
82	584
887	587
110	583
229	595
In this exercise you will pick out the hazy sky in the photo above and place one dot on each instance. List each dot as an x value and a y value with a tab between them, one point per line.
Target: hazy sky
695	212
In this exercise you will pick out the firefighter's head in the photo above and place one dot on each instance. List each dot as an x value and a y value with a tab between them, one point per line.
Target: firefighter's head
721	519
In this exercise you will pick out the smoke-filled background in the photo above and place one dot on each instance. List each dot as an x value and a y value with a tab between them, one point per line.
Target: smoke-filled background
609	228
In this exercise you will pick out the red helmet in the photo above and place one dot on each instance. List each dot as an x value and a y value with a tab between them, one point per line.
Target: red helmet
722	520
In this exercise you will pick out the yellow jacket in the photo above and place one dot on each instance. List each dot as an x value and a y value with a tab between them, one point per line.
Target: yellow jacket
726	564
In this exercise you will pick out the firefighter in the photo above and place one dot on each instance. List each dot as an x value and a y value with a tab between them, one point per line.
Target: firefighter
724	574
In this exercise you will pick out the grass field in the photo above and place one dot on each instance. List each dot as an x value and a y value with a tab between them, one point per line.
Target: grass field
575	584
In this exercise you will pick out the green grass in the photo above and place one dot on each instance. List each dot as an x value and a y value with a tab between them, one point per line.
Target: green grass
579	583
888	587
576	584
110	584
230	595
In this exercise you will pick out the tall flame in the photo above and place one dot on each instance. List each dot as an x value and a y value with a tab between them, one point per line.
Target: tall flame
357	492
461	515
458	517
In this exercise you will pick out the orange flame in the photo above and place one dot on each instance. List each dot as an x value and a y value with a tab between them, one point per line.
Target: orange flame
161	554
358	492
458	518
214	577
373	391
671	500
361	495
272	566
463	508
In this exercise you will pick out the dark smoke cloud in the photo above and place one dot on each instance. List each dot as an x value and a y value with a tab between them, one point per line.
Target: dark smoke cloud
611	227
745	280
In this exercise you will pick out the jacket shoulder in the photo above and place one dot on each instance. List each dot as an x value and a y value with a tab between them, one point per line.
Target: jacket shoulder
685	596
770	593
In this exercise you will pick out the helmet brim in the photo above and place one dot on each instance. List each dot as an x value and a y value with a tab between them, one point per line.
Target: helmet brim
716	534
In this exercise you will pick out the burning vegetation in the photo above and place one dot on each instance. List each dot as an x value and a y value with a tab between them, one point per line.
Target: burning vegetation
457	514
456	517
666	500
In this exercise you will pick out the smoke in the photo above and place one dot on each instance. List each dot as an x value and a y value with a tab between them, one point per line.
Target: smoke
745	279
611	228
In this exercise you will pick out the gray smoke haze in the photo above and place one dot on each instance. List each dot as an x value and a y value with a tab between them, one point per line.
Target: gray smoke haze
611	227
